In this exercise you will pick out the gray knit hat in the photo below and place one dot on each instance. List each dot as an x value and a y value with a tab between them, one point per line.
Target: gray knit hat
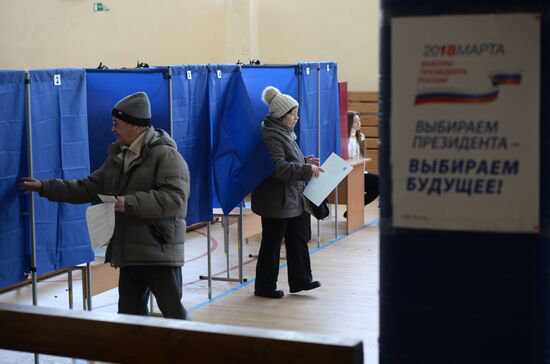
279	104
134	109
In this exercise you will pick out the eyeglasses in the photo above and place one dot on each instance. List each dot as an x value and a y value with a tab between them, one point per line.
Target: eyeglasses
116	122
293	113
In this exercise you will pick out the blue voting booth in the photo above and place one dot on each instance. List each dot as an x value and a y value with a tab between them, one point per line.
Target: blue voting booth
213	112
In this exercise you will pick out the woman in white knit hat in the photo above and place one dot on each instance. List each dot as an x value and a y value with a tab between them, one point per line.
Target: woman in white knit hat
278	200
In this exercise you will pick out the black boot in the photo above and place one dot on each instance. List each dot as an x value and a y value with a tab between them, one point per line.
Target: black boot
270	294
306	287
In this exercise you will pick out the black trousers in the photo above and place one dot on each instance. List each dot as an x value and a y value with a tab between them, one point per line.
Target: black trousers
135	283
371	187
294	231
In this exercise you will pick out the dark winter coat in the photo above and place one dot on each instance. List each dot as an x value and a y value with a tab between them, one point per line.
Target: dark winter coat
280	195
151	231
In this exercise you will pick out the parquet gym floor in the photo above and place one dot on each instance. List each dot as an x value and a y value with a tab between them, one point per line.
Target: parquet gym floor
345	305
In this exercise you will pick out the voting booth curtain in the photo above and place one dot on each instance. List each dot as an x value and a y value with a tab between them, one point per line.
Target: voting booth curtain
59	150
13	164
191	131
240	158
318	127
106	87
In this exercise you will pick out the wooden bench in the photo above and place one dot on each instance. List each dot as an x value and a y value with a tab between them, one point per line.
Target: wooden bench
366	104
136	339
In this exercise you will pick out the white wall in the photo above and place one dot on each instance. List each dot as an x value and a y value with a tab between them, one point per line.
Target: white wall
68	33
345	31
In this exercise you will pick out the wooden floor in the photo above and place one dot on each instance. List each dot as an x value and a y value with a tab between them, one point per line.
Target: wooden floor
345	305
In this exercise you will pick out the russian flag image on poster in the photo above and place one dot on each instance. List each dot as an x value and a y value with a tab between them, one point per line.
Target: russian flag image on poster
469	98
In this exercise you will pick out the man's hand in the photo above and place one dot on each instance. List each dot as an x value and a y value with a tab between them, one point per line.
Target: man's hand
119	204
28	184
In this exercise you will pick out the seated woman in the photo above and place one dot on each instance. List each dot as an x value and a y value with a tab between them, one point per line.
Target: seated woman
358	149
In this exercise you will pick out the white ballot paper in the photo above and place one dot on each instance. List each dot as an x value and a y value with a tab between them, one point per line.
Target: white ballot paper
336	169
101	221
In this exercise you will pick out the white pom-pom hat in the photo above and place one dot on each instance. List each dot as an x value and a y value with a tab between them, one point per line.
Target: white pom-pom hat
279	104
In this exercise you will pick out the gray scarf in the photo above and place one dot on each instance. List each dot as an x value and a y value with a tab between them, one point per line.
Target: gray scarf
279	127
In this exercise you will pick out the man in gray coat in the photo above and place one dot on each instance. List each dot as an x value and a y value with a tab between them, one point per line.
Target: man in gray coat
150	180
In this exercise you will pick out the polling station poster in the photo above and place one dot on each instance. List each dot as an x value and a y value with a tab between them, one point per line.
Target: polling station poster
465	122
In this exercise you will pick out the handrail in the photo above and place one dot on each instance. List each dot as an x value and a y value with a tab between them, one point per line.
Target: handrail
41	277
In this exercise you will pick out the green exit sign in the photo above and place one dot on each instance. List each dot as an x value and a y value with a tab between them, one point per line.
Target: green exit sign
100	7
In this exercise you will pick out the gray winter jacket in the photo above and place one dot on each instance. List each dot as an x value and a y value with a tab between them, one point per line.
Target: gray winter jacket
151	231
280	195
